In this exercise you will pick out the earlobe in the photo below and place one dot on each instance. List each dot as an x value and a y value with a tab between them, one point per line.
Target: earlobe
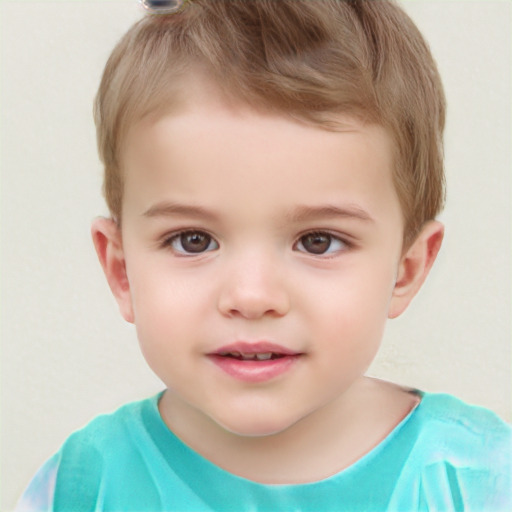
107	240
415	265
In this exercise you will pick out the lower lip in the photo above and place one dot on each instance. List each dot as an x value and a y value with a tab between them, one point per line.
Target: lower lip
254	371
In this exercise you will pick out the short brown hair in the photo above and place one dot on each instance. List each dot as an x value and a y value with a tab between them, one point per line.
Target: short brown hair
311	59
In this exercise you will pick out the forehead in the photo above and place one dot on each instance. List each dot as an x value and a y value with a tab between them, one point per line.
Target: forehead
222	154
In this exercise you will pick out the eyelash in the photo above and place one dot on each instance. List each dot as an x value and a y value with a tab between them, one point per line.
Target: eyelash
169	242
336	239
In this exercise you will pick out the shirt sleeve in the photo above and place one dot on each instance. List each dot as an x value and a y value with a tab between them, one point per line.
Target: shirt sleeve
38	496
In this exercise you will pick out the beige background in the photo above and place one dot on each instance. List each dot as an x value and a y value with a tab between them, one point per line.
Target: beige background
67	355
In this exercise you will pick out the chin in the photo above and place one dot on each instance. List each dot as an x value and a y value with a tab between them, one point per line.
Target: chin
255	427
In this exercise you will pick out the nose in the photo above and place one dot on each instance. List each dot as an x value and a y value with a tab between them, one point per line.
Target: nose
253	288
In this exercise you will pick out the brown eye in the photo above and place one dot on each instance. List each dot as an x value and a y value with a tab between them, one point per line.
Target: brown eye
193	242
316	243
320	243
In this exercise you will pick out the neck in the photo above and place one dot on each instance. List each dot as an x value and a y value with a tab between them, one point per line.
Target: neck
330	439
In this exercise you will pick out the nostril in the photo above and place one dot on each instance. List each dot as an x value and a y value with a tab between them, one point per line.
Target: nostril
253	292
242	304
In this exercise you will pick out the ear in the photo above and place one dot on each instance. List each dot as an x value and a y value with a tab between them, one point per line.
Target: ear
415	265
106	236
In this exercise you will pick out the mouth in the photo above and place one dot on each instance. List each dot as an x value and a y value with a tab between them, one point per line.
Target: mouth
255	362
258	356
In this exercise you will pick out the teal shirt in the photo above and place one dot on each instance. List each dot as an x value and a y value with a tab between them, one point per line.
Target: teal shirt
444	456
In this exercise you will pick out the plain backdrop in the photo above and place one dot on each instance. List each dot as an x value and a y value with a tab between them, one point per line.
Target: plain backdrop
66	353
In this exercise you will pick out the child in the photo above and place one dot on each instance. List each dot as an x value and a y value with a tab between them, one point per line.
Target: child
273	171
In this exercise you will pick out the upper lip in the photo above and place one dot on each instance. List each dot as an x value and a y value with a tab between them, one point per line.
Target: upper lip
259	347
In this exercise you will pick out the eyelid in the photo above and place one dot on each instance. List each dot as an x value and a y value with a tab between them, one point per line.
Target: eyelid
166	240
344	239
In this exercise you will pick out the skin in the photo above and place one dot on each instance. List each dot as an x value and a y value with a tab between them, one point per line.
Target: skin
254	185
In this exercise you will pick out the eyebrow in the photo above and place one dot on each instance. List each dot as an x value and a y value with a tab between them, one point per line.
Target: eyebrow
302	213
168	209
299	214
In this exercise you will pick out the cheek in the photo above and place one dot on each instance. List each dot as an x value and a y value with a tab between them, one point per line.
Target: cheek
164	313
351	305
166	305
358	286
158	288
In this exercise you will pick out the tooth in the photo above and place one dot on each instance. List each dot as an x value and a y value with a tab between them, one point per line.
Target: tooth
249	357
235	354
264	357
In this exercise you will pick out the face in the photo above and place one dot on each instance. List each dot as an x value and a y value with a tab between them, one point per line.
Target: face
261	256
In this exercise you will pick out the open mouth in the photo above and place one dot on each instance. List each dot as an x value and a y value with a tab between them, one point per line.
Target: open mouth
259	356
255	362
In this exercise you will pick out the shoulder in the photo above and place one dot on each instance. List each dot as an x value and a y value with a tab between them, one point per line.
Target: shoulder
121	416
441	414
465	450
110	444
109	439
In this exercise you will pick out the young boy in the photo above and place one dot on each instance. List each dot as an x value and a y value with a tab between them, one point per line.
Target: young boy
273	170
